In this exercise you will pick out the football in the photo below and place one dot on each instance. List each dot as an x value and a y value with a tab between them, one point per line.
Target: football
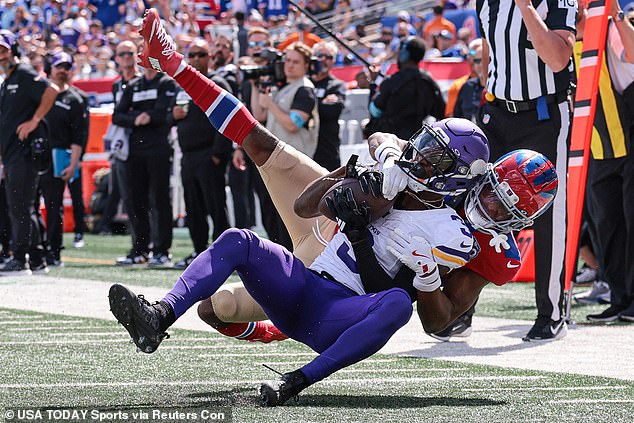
378	206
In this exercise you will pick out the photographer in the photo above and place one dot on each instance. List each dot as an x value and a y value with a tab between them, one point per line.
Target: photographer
24	94
291	111
331	95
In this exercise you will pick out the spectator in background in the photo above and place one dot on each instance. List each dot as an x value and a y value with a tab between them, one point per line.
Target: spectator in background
303	35
8	14
205	12
330	93
21	20
205	156
68	130
242	34
403	17
104	67
437	24
444	46
222	61
470	98
456	85
72	28
119	191
144	107
22	135
406	98
109	12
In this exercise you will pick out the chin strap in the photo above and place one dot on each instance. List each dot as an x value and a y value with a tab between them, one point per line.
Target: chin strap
498	241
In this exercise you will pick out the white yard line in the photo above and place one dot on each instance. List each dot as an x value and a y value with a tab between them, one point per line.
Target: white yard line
591	401
551	388
495	342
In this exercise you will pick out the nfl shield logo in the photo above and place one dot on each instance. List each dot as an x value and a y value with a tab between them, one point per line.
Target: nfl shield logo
486	118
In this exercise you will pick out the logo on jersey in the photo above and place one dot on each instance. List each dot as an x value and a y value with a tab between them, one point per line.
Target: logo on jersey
486	118
511	265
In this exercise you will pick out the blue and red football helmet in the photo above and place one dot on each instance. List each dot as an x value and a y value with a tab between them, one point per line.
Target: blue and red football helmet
517	188
447	157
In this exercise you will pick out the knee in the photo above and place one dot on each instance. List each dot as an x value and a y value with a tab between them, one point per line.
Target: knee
224	305
233	242
397	307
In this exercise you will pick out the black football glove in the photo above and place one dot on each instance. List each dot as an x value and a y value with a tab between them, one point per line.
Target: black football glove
350	215
370	180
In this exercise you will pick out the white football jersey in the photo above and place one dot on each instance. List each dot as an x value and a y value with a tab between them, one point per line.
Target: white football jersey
445	231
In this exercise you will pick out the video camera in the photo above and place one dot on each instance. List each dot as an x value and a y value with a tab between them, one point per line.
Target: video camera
272	73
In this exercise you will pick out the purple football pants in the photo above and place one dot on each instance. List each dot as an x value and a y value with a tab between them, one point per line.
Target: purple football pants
342	326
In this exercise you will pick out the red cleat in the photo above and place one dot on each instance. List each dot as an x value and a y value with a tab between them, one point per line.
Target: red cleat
265	333
159	51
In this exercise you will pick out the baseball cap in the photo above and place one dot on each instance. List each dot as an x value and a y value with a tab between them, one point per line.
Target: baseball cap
446	34
60	58
7	38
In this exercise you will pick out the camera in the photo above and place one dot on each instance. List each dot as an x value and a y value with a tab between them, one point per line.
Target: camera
272	73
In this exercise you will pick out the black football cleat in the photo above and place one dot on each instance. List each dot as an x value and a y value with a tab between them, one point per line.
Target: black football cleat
277	392
140	318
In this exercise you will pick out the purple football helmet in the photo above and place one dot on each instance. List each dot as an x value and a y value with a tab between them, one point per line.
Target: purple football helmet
447	157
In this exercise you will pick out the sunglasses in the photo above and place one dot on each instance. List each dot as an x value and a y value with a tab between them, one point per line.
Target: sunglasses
477	61
199	54
66	66
253	44
325	56
125	53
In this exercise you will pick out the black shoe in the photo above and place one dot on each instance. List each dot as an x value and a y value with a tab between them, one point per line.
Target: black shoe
610	314
141	319
460	328
160	260
627	315
78	241
39	268
184	263
277	392
53	259
16	267
132	259
546	330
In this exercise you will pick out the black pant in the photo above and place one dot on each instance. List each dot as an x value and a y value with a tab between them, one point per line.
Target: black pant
242	192
5	222
612	210
508	131
204	191
149	179
21	185
53	192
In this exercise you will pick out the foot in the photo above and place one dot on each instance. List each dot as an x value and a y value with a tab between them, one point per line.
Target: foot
15	267
460	328
610	314
78	241
184	263
160	260
39	268
586	275
627	315
141	319
277	392
53	259
267	332
159	50
600	293
132	259
547	330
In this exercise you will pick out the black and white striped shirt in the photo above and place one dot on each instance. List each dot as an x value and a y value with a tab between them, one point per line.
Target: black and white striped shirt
515	70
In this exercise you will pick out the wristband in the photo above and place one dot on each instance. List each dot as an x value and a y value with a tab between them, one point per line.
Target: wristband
428	283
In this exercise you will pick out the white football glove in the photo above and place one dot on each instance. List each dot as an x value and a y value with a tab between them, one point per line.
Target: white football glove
416	253
394	178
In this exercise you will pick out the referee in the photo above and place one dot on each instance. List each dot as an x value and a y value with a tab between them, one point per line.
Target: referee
528	51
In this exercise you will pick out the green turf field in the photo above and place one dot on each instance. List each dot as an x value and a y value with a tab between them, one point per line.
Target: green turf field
58	362
50	361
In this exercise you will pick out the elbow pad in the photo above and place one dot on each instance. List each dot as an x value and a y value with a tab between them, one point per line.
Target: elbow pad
297	119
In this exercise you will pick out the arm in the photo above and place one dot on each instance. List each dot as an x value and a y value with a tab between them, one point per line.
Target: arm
437	309
307	204
332	104
485	60
123	115
554	47
162	106
626	31
300	111
259	112
46	102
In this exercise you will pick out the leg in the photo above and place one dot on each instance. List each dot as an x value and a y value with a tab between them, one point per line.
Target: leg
194	203
53	192
158	169
79	210
217	197
137	178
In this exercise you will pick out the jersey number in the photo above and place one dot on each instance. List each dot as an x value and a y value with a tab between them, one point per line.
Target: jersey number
344	250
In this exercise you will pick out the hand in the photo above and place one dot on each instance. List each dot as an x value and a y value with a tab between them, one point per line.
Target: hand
25	128
394	178
374	72
350	215
68	173
370	181
142	119
266	99
178	112
416	253
238	160
330	99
